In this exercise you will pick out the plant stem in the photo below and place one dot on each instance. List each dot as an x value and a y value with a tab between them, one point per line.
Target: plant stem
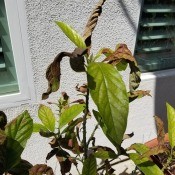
92	135
115	163
84	124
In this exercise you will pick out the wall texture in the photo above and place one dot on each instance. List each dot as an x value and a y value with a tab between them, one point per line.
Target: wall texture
117	24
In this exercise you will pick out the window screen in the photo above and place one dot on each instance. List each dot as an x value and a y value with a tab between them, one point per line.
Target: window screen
8	78
155	47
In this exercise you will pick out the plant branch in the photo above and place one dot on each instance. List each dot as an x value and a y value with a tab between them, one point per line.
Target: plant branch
115	163
92	135
84	124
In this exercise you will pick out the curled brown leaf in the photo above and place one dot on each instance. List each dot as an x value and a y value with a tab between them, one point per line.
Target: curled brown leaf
41	169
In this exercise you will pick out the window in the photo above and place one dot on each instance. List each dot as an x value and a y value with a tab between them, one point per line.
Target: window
16	82
8	78
155	47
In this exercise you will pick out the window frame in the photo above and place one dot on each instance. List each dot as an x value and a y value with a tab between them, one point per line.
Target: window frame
17	23
156	73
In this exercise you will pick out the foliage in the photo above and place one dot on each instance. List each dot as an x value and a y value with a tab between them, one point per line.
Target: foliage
13	139
71	142
142	156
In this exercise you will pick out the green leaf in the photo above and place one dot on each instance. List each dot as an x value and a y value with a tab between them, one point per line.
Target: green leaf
20	129
37	127
90	166
72	34
21	169
47	117
171	124
13	151
145	165
70	113
105	154
109	94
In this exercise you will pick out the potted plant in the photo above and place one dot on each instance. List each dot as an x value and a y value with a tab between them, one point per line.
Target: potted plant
161	149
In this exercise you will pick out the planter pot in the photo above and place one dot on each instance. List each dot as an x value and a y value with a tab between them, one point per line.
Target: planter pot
160	158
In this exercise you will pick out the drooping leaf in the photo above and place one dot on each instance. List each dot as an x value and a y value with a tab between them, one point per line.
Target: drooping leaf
109	94
138	94
37	127
72	34
92	22
22	168
65	163
123	53
53	72
41	169
20	128
70	113
171	124
3	120
122	65
160	130
145	165
47	117
90	166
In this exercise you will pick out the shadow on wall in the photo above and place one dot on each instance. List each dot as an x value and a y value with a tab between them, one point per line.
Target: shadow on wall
164	92
128	16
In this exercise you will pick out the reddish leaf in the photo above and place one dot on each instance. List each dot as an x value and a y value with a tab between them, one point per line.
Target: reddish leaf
41	169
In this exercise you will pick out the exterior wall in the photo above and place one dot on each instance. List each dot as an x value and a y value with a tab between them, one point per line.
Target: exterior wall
117	24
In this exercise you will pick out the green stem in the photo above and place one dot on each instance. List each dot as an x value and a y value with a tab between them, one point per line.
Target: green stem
92	135
84	125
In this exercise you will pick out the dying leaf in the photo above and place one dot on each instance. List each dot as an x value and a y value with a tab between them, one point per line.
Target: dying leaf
2	137
123	53
65	163
92	22
138	94
46	134
82	89
53	72
3	120
52	153
41	169
160	130
128	136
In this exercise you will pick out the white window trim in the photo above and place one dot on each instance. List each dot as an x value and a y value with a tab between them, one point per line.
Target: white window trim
19	39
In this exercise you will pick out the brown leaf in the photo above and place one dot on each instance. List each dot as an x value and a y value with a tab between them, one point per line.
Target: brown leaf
160	130
123	53
92	22
3	120
82	89
65	163
41	169
138	94
53	72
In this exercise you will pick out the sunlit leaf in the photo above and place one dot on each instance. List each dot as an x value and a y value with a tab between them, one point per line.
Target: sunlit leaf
90	166
47	117
72	34
70	113
20	129
145	165
109	94
171	124
37	127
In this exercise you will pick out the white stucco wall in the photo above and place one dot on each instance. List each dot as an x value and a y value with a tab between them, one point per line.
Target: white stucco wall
117	24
